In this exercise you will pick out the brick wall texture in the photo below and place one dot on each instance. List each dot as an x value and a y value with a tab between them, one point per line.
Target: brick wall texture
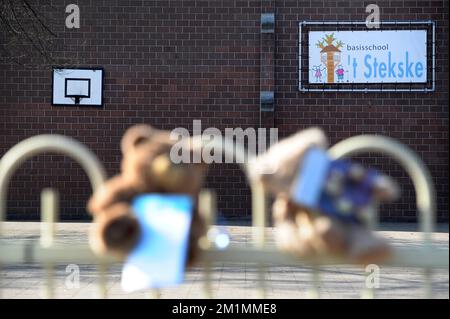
168	63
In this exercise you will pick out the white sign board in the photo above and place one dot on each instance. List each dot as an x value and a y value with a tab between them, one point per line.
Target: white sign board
368	56
77	86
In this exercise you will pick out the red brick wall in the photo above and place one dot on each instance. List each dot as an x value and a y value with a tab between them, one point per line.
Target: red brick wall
170	62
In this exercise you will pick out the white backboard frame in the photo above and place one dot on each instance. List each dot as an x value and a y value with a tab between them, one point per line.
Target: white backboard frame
64	76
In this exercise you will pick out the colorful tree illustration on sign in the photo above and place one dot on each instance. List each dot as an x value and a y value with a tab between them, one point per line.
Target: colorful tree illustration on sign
330	54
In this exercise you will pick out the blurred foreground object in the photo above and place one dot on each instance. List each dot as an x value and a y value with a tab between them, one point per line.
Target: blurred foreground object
321	205
146	168
159	258
425	255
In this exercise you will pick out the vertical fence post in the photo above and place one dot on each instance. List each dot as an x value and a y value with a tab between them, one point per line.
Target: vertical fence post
372	220
207	209
49	209
102	279
2	216
259	224
154	293
314	292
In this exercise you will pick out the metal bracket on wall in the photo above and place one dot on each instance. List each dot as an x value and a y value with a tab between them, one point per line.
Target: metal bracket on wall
266	101
268	23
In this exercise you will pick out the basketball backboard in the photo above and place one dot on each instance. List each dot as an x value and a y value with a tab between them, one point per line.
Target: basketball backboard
77	86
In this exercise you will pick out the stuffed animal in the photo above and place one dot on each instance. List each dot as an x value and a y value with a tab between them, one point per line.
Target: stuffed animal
317	232
146	167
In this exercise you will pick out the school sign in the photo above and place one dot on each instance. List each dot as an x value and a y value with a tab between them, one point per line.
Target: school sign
397	56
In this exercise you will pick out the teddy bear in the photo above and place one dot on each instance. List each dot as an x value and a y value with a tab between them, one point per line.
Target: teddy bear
146	167
311	233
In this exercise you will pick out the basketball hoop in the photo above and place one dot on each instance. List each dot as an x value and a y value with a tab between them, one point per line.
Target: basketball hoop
77	86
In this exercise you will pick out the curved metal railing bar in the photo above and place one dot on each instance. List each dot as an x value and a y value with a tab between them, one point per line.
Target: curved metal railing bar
416	169
48	143
259	254
67	146
410	161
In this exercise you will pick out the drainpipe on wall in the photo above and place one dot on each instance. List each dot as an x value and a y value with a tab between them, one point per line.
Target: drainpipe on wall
267	65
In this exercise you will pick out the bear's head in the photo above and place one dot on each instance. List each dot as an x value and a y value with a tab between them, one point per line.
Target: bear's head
151	164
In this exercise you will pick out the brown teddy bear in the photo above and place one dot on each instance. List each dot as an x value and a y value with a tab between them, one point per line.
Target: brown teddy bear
311	233
146	167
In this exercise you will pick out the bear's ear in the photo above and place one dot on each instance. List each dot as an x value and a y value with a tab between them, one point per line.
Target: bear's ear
134	136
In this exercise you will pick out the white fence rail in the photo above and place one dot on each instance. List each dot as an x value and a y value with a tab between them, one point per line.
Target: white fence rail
48	253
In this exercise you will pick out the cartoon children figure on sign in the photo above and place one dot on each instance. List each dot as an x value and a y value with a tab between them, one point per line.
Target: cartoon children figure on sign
340	73
317	71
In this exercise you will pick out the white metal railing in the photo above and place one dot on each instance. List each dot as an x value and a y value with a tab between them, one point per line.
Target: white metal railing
47	253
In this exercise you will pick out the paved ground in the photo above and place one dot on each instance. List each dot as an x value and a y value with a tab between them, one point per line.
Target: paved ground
229	280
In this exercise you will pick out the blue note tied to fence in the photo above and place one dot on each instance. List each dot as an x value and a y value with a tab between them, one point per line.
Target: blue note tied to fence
159	258
338	188
312	174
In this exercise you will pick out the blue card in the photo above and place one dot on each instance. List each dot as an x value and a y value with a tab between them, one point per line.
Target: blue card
349	198
312	173
159	258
